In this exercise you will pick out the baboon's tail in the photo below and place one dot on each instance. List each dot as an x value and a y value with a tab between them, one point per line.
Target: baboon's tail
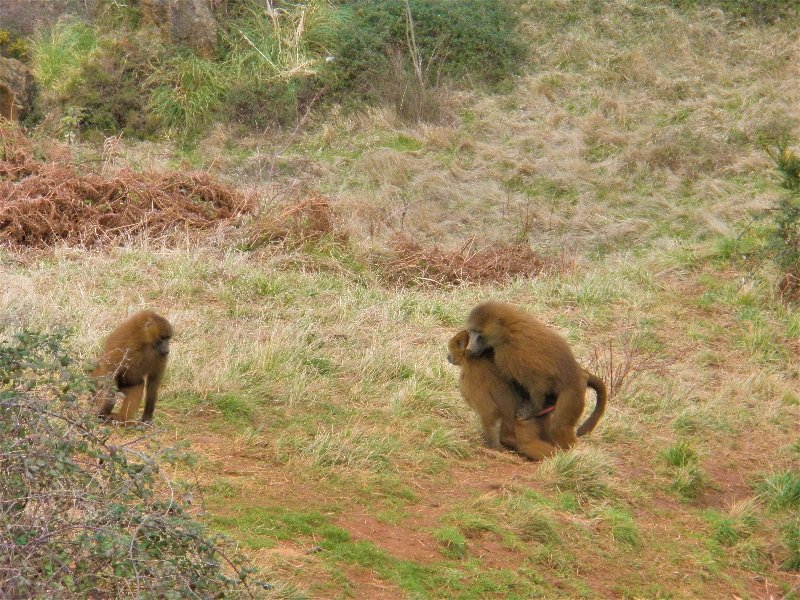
599	387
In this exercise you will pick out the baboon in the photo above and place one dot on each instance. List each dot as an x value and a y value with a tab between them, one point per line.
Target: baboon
135	356
494	399
537	434
485	392
528	353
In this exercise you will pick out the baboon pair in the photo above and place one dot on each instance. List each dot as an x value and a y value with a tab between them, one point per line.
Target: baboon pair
516	370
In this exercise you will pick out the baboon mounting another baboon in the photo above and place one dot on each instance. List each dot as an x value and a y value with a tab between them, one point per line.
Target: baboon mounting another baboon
527	353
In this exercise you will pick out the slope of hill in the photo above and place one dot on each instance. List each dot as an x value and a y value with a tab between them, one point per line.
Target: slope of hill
309	373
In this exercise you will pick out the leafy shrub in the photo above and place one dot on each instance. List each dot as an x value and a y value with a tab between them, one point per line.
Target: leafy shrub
80	516
109	90
784	242
454	38
12	46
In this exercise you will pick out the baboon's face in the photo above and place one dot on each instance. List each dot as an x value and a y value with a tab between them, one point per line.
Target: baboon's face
158	333
456	348
486	329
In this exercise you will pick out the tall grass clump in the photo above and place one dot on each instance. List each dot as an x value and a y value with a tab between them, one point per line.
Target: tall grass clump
80	515
781	493
583	472
59	53
683	463
275	58
187	91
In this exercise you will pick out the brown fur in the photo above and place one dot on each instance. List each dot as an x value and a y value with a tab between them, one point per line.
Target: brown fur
485	392
134	357
529	353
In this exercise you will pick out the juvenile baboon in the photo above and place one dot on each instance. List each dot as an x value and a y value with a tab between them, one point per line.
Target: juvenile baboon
529	353
135	356
485	392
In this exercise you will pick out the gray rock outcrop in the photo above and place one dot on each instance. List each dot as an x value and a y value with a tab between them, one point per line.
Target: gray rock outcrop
187	22
16	89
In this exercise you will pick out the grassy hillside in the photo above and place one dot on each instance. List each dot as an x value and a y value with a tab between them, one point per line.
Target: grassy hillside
308	371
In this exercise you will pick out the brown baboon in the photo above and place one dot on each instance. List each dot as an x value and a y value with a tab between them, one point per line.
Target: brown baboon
135	357
485	392
494	399
535	431
528	353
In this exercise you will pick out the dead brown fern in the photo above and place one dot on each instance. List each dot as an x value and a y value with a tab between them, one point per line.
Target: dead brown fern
306	220
408	262
43	203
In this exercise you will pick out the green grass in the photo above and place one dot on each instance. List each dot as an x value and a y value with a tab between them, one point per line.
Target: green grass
780	491
730	528
688	480
187	92
582	472
452	542
623	528
59	52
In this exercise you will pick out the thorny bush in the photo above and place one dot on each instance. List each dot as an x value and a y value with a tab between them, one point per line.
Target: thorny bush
81	517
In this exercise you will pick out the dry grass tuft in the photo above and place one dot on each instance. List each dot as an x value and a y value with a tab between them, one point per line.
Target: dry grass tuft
43	203
789	286
410	263
622	373
307	220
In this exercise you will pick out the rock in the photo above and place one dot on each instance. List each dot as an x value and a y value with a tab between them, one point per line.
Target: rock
16	88
188	22
25	16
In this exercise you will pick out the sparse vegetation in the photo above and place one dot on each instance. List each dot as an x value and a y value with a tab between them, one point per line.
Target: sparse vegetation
688	480
607	186
80	516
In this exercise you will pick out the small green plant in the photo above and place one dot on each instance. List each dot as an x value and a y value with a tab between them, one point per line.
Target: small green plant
452	542
82	516
688	480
